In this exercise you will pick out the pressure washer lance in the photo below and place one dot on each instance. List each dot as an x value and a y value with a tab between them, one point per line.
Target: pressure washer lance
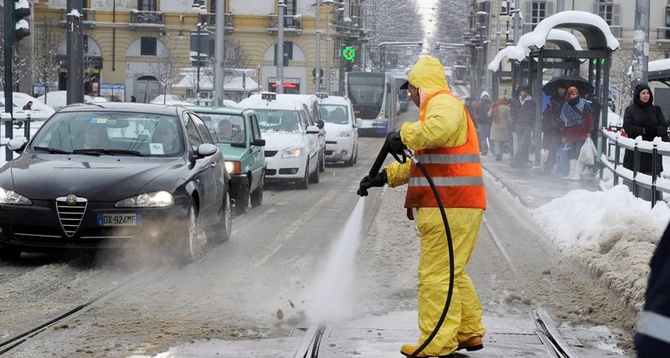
374	170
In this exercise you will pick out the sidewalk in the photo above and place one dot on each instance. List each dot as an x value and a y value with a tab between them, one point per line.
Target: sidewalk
531	186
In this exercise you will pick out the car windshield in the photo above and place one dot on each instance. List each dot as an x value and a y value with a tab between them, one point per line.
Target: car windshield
278	120
110	133
225	128
331	113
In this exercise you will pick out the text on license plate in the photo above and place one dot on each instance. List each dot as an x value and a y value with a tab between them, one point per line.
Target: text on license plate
118	219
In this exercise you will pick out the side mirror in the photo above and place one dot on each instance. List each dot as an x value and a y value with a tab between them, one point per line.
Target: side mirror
320	123
313	130
259	142
206	149
359	122
17	144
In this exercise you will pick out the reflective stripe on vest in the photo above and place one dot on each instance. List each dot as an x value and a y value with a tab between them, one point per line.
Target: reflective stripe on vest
456	172
654	325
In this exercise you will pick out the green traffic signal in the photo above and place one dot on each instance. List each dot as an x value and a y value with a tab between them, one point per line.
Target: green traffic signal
349	53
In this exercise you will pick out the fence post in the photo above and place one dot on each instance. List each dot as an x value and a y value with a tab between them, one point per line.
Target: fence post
617	153
654	167
636	167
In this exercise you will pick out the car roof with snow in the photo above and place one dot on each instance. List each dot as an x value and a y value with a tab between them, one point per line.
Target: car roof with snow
282	101
335	100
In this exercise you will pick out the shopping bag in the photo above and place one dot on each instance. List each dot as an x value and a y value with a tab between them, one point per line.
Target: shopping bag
587	152
562	165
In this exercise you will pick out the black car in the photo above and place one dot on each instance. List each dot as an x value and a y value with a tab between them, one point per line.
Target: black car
109	175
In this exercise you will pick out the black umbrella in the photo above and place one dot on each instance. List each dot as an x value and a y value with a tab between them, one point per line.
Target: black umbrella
566	81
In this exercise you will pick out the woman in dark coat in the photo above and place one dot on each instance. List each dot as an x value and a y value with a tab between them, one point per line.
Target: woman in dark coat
643	118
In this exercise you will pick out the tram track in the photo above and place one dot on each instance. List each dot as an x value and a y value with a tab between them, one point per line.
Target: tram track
11	343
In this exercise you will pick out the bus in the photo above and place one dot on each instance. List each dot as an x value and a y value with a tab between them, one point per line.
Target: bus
374	98
459	75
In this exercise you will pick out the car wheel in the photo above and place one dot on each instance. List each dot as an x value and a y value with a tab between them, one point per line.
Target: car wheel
257	195
242	201
322	161
314	177
356	156
304	182
352	159
9	253
220	232
187	247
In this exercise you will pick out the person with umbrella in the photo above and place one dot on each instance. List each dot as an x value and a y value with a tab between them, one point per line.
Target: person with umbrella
577	117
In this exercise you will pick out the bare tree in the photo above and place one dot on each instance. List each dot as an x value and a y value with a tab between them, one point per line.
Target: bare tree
164	69
621	89
19	63
45	61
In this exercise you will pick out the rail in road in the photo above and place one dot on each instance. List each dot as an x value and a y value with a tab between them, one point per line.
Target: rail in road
7	345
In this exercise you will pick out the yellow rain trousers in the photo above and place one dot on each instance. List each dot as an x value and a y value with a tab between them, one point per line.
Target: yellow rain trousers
445	126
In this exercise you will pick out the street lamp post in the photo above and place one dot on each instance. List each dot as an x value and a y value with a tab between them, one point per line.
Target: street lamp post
317	70
197	73
280	47
328	48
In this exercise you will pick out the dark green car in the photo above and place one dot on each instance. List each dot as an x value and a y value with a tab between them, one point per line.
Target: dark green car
237	133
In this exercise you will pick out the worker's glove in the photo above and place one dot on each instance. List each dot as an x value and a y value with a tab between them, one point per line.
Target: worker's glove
394	143
379	180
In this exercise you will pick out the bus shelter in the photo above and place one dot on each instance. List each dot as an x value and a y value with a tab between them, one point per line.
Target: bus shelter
600	43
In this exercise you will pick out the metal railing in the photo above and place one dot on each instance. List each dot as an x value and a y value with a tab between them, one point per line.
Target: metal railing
291	22
142	18
88	18
611	160
210	19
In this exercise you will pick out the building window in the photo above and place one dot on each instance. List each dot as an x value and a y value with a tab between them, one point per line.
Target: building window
148	46
606	11
538	11
289	12
147	5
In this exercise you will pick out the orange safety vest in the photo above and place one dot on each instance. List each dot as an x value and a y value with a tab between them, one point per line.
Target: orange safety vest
456	171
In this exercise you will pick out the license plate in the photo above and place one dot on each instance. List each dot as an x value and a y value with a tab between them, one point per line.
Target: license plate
118	219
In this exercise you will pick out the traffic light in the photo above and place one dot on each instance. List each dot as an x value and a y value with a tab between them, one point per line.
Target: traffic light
437	46
21	27
349	53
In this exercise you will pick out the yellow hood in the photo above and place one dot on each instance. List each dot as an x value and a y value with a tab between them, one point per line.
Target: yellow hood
428	75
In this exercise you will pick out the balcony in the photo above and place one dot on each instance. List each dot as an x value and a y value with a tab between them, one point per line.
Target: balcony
210	20
88	18
662	36
292	23
147	19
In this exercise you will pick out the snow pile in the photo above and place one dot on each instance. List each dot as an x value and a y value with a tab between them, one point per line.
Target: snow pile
612	233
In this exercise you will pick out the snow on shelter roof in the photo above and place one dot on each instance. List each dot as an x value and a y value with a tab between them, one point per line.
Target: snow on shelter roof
657	70
562	38
594	28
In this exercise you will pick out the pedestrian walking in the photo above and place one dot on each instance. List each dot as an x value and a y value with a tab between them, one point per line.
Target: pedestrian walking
577	117
552	127
523	117
500	117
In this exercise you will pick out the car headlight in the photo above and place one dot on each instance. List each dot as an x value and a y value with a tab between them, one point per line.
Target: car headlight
11	197
159	199
292	153
233	167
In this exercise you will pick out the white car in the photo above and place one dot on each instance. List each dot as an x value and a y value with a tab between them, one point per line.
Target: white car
39	111
58	99
341	129
291	143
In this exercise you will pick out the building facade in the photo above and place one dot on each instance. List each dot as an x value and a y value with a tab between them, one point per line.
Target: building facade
124	41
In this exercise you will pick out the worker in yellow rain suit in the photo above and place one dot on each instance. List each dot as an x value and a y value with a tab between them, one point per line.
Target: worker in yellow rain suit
444	140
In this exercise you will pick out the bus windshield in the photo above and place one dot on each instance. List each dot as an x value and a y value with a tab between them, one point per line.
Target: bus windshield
366	90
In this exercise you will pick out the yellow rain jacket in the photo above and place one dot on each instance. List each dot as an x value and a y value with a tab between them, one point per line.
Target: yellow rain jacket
445	128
